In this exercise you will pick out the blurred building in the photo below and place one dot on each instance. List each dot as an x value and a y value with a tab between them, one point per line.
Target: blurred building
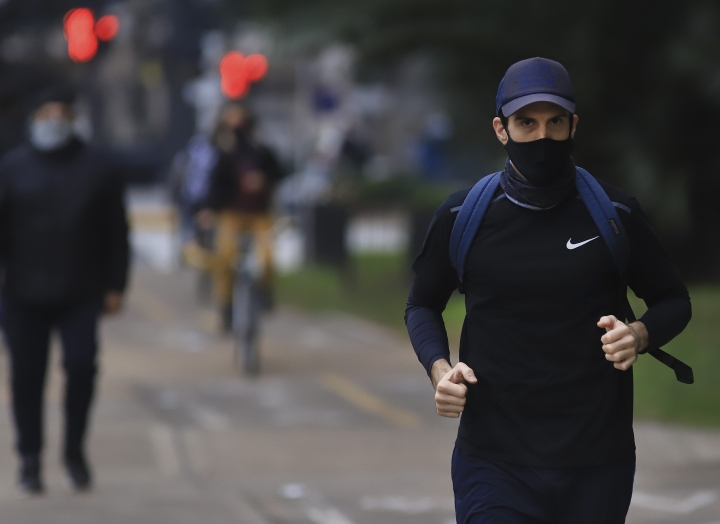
157	83
130	91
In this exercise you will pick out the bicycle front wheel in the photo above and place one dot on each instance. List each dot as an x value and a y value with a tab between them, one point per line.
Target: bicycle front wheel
246	325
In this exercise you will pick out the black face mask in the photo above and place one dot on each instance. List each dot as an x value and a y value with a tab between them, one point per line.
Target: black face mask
543	162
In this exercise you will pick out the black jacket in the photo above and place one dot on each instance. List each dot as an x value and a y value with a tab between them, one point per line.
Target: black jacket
225	181
63	228
546	396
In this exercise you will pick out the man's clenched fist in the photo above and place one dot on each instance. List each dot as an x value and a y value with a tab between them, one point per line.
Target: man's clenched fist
622	342
450	388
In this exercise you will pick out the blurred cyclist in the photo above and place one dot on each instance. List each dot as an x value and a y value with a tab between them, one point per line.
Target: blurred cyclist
64	246
239	200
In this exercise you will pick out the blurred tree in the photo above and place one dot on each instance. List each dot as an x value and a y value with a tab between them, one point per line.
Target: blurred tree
22	12
646	74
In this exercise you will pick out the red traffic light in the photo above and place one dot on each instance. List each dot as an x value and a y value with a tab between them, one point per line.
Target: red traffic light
82	32
107	27
80	35
238	72
255	67
233	79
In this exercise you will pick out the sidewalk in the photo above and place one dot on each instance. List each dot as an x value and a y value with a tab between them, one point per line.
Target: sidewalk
178	436
339	429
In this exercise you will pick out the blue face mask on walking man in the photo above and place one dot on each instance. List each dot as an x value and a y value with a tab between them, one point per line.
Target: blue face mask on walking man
51	126
544	378
51	133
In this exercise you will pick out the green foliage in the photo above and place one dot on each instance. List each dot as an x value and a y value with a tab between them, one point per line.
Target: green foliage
399	192
376	288
658	395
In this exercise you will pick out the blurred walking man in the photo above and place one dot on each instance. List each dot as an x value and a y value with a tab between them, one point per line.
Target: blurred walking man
544	382
64	248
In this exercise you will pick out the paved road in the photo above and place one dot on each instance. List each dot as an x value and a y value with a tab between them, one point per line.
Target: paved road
339	429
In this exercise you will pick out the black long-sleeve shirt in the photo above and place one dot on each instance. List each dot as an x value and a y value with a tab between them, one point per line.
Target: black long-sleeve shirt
546	396
63	227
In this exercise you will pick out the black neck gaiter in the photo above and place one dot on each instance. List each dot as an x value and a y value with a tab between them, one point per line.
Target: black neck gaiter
548	172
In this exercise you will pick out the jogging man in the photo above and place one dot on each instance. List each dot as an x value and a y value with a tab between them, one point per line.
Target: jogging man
64	247
544	382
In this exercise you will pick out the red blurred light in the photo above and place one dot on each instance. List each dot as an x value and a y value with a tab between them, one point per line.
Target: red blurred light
107	27
237	73
233	79
256	66
231	62
79	25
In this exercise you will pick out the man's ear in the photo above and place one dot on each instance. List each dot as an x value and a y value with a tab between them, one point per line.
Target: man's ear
500	131
574	125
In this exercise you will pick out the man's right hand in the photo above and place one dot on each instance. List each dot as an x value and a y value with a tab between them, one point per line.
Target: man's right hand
450	388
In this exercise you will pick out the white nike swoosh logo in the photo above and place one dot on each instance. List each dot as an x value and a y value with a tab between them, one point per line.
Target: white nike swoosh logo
570	245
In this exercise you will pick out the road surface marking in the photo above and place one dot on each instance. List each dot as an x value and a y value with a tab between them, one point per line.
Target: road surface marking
326	516
166	450
672	505
316	508
370	403
408	505
292	491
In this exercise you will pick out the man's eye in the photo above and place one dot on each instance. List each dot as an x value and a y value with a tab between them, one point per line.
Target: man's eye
527	123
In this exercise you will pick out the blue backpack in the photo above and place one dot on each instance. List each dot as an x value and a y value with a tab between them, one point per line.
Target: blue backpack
603	212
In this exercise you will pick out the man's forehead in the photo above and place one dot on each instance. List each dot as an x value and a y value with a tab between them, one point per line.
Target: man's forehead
53	110
540	109
54	106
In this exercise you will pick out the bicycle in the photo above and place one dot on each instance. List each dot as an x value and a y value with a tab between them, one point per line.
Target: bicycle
247	305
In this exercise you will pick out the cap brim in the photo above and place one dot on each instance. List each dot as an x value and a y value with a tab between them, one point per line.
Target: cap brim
517	104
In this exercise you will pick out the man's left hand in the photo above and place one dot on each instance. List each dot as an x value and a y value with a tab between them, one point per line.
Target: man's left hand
113	302
252	182
622	342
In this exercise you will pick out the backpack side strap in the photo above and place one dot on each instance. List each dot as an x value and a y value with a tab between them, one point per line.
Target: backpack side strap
606	218
468	220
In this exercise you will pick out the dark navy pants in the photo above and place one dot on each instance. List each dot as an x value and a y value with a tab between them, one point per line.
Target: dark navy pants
27	332
494	492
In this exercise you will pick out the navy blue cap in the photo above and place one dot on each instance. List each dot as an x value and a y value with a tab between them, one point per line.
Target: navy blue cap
534	80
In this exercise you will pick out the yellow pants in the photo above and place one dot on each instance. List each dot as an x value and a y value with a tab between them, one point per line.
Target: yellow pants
220	262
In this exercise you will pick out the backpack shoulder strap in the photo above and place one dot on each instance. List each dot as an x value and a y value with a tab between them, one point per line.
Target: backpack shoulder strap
468	220
606	218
